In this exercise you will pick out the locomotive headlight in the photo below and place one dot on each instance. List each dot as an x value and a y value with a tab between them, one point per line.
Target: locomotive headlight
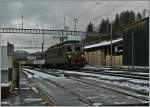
69	56
82	55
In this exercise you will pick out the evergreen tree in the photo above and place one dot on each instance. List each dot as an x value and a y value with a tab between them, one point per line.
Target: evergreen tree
116	23
104	26
139	16
132	17
90	27
144	13
121	21
108	26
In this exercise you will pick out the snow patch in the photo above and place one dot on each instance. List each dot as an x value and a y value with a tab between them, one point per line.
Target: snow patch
5	84
126	84
5	102
32	99
28	75
95	75
34	89
44	75
93	97
97	104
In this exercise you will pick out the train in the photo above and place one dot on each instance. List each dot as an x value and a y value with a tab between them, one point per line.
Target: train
66	55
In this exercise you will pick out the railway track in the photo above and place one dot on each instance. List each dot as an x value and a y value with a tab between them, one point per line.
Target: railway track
137	85
105	80
118	89
120	74
57	74
106	86
127	73
138	70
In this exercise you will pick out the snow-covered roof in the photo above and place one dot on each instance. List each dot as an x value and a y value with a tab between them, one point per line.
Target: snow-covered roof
104	43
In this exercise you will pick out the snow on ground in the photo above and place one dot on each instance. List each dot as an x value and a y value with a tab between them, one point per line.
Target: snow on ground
28	74
138	67
44	75
31	100
126	72
34	89
24	88
23	96
97	104
126	84
140	73
5	102
96	75
95	67
90	66
139	81
121	81
108	77
108	68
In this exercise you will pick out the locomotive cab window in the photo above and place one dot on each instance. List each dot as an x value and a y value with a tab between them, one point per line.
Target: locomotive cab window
77	49
68	49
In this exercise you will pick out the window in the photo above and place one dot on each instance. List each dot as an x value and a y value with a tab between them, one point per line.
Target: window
68	49
77	49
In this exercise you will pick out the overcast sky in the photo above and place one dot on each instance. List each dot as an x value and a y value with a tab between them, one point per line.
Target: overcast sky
50	15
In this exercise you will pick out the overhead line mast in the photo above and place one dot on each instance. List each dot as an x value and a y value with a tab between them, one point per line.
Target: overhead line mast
75	23
22	22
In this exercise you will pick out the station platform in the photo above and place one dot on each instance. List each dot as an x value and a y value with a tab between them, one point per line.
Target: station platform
24	96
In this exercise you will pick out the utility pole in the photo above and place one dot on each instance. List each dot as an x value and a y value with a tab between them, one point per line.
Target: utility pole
133	50
64	23
111	47
62	37
30	43
43	42
75	23
22	21
0	50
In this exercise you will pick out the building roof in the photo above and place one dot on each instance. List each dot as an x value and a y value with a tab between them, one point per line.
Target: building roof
103	43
